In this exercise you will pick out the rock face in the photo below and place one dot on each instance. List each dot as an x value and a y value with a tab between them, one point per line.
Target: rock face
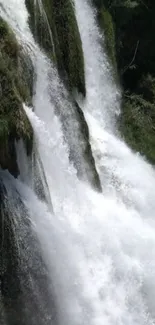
55	28
129	28
23	274
56	19
9	263
15	71
93	175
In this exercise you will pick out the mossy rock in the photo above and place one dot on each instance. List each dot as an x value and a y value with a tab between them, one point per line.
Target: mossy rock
107	25
70	43
15	88
40	26
87	152
55	27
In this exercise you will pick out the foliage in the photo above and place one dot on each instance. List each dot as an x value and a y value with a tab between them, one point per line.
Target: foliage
137	123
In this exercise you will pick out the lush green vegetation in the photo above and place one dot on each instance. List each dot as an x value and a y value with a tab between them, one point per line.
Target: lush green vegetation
14	89
137	124
132	45
55	28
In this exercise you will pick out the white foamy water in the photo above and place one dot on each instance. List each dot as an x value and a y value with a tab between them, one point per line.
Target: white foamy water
102	268
103	96
15	13
48	84
99	248
116	164
107	246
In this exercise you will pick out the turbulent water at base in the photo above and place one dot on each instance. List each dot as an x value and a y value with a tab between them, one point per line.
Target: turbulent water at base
98	248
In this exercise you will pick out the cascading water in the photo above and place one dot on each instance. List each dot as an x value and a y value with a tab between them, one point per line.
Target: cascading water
98	248
102	101
116	164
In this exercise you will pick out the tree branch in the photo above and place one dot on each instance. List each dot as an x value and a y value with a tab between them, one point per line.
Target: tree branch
133	59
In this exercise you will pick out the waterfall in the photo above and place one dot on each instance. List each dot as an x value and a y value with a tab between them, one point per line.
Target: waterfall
117	165
103	96
96	249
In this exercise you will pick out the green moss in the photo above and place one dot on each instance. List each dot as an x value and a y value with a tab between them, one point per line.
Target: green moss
107	25
14	90
40	26
58	18
70	43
